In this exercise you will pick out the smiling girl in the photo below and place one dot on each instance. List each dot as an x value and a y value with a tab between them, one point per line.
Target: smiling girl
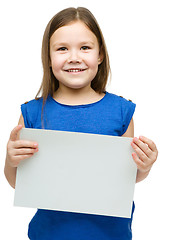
74	98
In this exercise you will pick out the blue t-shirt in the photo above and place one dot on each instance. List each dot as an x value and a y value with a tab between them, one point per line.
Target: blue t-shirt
109	116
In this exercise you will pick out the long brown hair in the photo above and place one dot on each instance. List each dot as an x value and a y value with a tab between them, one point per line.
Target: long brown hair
49	83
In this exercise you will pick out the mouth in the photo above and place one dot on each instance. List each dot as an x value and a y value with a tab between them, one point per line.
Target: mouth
75	70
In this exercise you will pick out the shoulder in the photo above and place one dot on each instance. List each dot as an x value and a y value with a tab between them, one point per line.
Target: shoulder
33	102
32	105
119	99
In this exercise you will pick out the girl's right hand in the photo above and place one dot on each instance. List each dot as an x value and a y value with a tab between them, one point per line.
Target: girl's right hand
18	150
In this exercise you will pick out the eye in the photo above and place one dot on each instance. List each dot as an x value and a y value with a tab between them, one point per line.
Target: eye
62	49
85	48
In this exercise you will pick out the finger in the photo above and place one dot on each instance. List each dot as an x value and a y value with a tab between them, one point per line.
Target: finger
14	133
19	158
139	163
141	154
149	142
143	146
25	144
25	151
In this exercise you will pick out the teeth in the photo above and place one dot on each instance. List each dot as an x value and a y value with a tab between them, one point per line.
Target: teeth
75	70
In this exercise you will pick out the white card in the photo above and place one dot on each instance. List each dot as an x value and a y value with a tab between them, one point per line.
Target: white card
77	172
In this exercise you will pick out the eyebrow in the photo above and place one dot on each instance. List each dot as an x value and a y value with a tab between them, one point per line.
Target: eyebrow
66	43
86	43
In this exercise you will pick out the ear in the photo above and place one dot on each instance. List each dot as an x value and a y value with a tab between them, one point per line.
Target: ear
100	61
100	58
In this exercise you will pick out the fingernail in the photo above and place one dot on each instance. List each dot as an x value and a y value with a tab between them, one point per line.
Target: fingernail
135	139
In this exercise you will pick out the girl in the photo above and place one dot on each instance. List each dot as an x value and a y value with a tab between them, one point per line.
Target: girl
76	68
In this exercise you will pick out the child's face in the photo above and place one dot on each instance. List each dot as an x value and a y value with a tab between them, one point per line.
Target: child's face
74	52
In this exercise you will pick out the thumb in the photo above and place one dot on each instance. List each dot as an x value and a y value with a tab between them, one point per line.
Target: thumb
15	133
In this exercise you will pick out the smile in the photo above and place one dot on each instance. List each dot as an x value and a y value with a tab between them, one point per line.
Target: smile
75	70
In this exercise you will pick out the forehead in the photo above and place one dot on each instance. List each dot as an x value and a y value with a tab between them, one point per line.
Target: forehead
75	31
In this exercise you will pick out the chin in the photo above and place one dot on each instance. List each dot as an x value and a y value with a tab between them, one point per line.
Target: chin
77	86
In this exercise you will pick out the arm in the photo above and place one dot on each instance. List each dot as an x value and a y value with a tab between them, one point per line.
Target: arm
145	153
17	150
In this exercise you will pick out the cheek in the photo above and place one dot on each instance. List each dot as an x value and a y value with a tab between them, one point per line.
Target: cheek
93	61
57	62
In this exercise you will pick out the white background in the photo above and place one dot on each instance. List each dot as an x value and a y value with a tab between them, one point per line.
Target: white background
137	35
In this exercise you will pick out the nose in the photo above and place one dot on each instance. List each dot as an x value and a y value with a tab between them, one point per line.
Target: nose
74	57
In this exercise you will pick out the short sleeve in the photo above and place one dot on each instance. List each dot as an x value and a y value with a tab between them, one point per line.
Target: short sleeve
30	111
128	109
25	114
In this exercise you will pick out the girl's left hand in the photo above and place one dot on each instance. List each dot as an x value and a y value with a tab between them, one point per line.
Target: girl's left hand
145	153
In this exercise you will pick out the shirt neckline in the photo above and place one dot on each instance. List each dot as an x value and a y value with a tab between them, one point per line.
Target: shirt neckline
80	105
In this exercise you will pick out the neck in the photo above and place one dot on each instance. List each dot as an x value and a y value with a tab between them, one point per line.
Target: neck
76	96
66	92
